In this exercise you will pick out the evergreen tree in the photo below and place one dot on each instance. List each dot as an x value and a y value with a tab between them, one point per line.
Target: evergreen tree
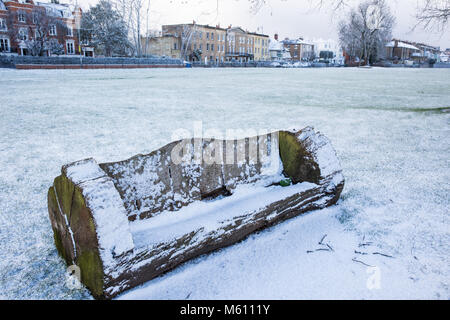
103	28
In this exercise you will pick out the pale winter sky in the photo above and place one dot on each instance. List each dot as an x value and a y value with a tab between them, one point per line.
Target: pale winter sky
288	18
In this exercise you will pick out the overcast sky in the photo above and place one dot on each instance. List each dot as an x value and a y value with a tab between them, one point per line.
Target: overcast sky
288	18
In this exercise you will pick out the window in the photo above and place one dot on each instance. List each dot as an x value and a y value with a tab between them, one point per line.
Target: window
34	18
4	45
2	24
212	36
70	31
207	47
21	17
212	46
174	46
207	36
23	34
70	47
52	31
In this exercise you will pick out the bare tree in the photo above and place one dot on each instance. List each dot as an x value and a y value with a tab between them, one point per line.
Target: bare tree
39	33
366	30
434	14
188	34
430	13
136	15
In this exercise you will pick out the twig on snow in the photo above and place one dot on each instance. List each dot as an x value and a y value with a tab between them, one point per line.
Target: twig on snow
382	254
323	238
359	261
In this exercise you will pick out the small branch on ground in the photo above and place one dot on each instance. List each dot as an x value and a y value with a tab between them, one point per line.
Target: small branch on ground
382	254
323	238
361	262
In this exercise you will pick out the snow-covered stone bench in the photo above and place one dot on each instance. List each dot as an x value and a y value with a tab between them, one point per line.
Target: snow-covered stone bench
127	222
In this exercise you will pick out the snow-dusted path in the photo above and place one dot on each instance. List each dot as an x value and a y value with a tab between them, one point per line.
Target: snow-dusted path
394	153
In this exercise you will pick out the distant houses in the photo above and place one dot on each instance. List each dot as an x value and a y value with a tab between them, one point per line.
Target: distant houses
299	49
399	51
24	24
208	44
329	50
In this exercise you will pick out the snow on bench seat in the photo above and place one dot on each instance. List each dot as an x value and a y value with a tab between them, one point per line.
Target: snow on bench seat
210	215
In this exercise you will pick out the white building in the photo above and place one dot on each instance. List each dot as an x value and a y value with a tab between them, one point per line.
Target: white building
277	51
329	45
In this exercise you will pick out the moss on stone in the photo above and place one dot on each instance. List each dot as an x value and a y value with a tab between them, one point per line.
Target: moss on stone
53	212
91	271
81	223
298	163
88	256
64	189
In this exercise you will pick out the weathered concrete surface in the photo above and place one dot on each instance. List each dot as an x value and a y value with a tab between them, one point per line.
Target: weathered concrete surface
90	205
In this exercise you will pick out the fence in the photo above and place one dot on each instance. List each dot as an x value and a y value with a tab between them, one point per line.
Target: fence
251	64
85	62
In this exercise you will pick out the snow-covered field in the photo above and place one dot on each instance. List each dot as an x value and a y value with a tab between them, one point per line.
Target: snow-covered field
390	127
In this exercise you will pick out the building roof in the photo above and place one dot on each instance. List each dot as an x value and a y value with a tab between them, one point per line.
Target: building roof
196	24
258	34
401	44
57	10
275	45
295	41
217	28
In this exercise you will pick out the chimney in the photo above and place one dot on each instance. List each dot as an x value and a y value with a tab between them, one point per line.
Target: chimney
276	36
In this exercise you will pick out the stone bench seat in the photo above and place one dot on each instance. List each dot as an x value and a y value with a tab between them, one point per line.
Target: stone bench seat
127	222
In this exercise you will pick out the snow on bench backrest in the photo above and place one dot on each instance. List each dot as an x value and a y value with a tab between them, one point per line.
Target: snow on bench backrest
189	170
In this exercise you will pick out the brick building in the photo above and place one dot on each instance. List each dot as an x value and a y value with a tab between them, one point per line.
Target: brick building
406	50
299	49
25	25
215	45
167	45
